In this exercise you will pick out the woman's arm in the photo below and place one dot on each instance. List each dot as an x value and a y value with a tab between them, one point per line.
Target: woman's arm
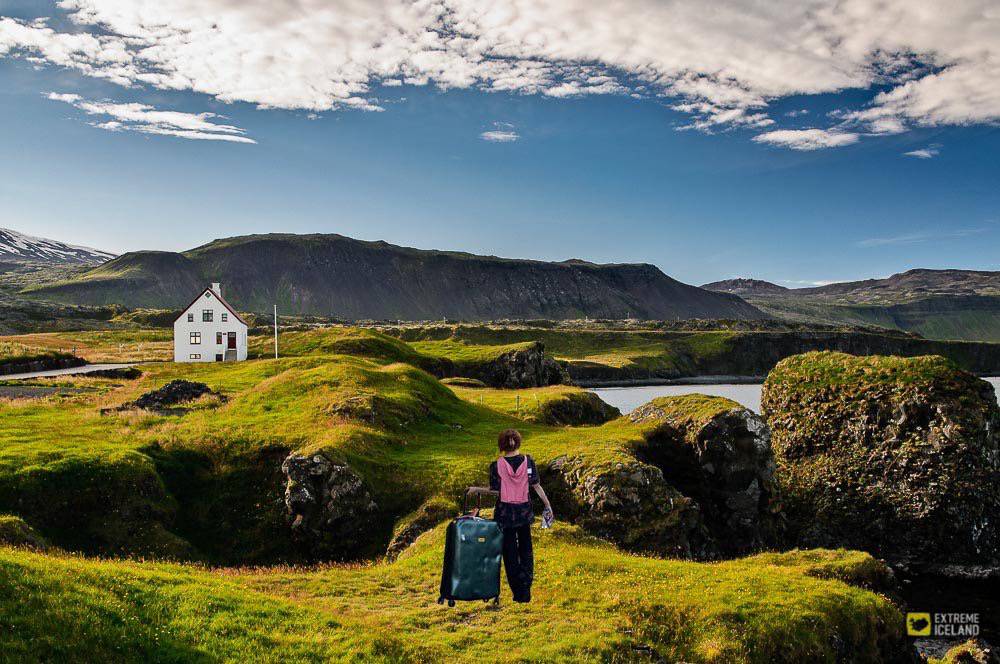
541	494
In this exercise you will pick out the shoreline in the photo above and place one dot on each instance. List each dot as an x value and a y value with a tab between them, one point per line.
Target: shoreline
656	382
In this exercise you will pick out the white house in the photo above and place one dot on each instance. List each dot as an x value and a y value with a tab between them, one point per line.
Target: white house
210	330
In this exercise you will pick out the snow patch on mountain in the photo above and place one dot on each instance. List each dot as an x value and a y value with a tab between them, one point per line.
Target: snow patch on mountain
20	247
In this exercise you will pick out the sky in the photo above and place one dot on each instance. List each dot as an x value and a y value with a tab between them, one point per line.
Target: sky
795	141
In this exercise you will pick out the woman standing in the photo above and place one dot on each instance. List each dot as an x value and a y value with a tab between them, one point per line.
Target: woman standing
511	476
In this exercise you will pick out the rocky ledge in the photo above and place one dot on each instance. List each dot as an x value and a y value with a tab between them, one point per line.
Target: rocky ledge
527	366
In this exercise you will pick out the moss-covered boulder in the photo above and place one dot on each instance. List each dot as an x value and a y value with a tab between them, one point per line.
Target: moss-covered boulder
629	503
15	532
329	506
973	651
896	456
523	365
717	453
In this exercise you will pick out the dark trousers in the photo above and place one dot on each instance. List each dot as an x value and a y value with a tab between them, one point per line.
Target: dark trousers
519	561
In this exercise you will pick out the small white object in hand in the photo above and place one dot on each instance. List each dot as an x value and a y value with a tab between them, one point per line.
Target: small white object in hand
547	518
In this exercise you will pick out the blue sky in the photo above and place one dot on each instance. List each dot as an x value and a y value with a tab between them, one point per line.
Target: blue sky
609	176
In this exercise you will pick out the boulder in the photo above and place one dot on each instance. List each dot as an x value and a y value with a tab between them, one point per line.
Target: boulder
327	505
14	531
895	456
717	453
526	366
576	409
172	394
627	502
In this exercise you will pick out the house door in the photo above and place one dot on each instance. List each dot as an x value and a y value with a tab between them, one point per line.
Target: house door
231	341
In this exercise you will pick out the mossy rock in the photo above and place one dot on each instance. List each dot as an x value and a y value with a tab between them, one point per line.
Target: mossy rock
718	453
14	531
432	512
973	651
908	447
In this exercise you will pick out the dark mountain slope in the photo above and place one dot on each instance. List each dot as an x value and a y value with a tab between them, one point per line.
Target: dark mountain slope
745	287
334	275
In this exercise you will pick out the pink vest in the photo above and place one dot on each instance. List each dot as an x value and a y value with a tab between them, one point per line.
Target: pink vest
513	483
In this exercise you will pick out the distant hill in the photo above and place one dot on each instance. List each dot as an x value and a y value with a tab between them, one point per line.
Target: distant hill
333	275
17	248
938	304
745	287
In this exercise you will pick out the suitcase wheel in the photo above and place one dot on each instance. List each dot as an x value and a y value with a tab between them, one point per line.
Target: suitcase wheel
451	602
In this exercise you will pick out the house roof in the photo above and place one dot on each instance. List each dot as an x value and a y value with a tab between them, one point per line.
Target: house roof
220	298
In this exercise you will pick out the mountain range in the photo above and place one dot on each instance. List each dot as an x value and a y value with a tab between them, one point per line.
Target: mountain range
938	304
333	275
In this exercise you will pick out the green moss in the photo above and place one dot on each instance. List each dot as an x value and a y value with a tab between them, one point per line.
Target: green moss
821	370
14	531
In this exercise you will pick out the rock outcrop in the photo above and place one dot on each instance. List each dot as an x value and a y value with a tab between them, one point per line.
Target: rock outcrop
698	482
527	366
719	454
576	409
899	457
43	362
627	502
327	505
172	394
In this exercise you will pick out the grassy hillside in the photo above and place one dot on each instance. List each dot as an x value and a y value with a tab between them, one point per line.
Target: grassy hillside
591	603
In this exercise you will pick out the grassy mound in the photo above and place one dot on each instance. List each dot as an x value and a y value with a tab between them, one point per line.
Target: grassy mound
591	603
556	405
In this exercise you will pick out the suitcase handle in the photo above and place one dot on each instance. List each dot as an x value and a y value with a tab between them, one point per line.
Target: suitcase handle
465	504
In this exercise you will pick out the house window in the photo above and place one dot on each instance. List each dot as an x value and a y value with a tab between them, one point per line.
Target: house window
190	318
218	337
218	357
206	315
195	338
194	356
225	317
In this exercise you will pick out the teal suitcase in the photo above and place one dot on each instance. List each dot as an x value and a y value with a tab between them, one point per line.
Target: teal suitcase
472	552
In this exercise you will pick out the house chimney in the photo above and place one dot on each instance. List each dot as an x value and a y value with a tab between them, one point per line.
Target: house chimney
217	288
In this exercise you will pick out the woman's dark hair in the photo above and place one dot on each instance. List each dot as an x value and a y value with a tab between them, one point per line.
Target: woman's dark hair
509	440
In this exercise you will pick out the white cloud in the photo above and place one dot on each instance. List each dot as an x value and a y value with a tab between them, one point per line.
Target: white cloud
924	153
147	120
502	132
807	139
940	62
921	236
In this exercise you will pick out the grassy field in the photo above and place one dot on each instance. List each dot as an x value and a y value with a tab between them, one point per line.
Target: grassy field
150	345
200	484
591	602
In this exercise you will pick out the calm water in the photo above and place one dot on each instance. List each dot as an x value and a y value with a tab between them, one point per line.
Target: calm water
628	398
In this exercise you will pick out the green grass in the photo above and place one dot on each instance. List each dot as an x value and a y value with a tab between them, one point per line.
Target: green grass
591	602
201	484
